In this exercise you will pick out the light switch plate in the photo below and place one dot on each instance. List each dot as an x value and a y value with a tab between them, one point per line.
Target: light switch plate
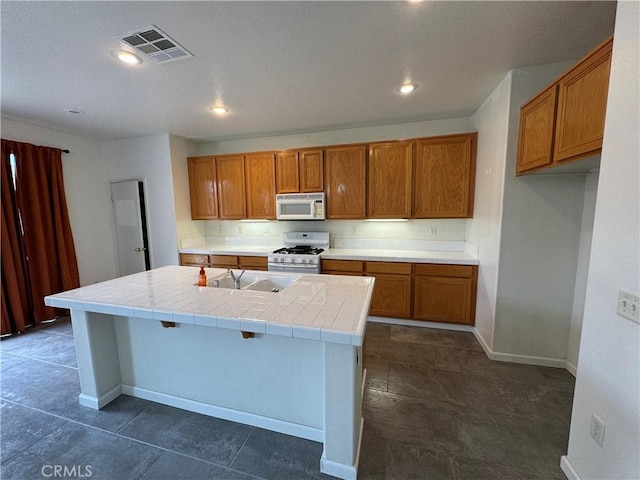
629	306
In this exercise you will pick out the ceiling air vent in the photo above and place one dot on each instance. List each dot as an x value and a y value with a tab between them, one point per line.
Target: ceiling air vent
155	44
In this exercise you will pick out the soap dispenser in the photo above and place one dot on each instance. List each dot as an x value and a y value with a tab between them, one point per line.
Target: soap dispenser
202	278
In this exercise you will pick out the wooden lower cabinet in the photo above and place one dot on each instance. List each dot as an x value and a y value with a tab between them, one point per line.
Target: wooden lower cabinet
252	263
194	260
421	291
392	291
445	293
343	267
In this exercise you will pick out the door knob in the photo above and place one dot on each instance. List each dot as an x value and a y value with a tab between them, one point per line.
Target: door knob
140	249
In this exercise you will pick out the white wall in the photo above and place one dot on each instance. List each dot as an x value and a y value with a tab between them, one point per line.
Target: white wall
608	380
491	122
584	251
181	148
336	137
541	221
148	159
87	193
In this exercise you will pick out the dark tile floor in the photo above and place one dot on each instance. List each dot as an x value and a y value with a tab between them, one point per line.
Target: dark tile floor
435	407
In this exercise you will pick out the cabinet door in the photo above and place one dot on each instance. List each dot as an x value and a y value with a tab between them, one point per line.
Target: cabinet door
389	180
287	178
392	290
444	176
345	182
535	136
311	171
443	299
391	296
582	102
231	193
260	170
202	187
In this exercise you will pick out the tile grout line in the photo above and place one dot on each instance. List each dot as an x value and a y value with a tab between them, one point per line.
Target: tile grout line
115	434
6	460
39	360
253	429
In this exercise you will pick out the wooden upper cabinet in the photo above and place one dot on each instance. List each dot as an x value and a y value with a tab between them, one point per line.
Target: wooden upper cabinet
311	171
202	187
537	126
389	180
260	171
231	187
444	176
299	171
345	179
287	172
582	102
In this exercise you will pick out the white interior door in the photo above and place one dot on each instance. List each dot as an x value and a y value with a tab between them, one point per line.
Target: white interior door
129	216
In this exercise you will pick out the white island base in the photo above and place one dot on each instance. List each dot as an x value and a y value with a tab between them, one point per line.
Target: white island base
300	387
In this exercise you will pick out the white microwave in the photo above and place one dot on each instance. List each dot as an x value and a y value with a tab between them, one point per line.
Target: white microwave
300	206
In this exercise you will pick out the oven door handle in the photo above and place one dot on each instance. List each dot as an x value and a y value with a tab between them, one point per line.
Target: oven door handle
278	267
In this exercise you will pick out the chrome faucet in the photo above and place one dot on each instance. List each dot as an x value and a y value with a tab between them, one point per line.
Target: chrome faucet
236	280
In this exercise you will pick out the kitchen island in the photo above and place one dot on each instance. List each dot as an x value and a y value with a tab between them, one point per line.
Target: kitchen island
289	360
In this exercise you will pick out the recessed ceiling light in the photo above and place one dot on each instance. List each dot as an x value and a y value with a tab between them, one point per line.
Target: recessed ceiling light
219	109
126	57
408	88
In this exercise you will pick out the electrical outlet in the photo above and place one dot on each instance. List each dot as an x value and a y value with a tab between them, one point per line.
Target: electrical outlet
219	228
628	306
433	231
240	229
354	230
597	429
266	230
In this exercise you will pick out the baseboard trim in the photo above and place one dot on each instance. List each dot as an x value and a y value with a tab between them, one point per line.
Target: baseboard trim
568	469
516	358
420	323
498	356
98	402
274	424
340	470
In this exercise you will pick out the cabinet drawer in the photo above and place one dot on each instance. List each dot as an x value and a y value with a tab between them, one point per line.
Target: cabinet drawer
351	266
253	263
193	259
436	270
389	267
224	260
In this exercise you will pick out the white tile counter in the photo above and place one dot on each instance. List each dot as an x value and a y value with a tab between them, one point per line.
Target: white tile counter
409	256
365	254
249	251
300	373
317	307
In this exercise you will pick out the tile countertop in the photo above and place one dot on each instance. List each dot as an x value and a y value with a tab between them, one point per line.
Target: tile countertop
326	308
371	254
250	251
411	256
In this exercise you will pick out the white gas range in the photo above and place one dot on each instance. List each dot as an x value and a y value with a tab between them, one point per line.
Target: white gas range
301	252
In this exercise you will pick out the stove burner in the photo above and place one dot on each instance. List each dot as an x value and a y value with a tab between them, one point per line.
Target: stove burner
300	250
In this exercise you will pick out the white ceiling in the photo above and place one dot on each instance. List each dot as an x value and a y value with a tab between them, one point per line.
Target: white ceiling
280	67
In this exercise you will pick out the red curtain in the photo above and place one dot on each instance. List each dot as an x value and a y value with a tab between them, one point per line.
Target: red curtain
47	248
